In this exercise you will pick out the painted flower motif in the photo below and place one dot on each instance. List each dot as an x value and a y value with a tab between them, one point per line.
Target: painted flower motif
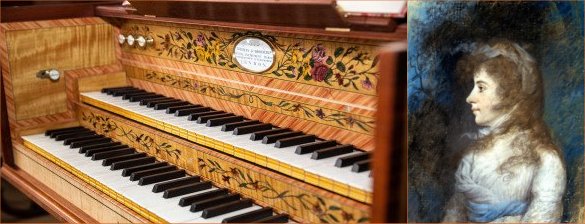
178	36
319	113
255	185
319	72
226	179
350	121
201	163
317	209
367	84
215	49
346	216
167	42
296	56
200	53
234	171
339	79
296	107
200	41
319	55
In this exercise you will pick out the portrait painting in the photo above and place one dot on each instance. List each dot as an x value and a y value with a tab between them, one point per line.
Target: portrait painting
495	111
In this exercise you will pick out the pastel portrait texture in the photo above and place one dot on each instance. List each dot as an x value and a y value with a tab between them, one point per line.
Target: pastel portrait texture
495	112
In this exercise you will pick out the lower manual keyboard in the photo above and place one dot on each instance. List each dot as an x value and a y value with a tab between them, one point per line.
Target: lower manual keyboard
136	176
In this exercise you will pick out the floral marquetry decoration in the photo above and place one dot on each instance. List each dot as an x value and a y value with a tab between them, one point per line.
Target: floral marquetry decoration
338	65
323	210
315	113
148	143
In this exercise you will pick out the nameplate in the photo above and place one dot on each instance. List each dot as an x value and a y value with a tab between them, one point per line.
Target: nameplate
253	54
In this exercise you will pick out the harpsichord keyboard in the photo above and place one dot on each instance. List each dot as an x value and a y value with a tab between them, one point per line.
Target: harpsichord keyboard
159	187
326	158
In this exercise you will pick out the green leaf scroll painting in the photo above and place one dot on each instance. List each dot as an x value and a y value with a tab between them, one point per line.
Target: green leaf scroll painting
326	213
345	66
304	111
105	125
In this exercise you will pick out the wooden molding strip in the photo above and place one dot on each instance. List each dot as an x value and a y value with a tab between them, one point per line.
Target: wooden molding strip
45	197
400	34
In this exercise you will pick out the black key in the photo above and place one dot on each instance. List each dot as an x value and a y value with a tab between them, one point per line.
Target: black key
92	152
187	189
268	139
111	160
200	205
122	92
130	95
137	175
172	110
311	147
108	90
84	149
350	160
129	171
226	208
54	133
251	128
195	116
260	134
49	132
160	187
297	140
127	94
281	218
234	125
88	137
151	104
250	216
155	178
224	120
74	134
185	112
361	166
164	106
112	153
132	163
204	119
142	97
148	100
90	142
203	196
111	91
332	151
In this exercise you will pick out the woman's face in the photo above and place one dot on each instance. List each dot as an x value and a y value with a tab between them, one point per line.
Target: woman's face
484	99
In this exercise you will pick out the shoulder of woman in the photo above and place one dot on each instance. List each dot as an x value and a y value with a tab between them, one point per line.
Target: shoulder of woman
550	158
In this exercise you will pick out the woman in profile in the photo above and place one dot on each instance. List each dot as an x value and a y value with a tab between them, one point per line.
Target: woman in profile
512	172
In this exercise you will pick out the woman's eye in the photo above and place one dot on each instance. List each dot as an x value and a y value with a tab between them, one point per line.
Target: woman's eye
481	88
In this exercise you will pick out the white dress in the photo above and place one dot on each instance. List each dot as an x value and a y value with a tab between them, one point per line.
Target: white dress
524	193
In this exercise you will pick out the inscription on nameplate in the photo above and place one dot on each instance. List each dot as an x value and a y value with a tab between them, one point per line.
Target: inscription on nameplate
253	54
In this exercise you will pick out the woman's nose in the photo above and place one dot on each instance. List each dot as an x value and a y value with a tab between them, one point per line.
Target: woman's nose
471	98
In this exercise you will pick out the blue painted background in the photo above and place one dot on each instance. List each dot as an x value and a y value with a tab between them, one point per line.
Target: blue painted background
438	34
